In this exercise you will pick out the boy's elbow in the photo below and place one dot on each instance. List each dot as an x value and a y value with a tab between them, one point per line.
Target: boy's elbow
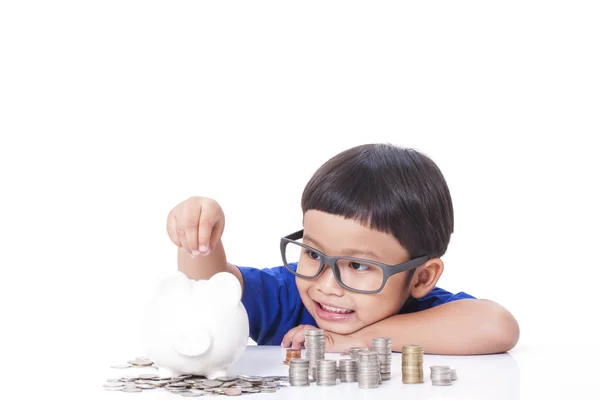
504	333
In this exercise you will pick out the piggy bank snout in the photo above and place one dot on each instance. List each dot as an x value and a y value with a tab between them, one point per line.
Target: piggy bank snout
192	343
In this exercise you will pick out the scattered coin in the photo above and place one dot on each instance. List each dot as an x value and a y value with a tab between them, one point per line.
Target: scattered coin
114	384
138	363
149	376
145	386
227	378
192	393
131	389
233	391
121	366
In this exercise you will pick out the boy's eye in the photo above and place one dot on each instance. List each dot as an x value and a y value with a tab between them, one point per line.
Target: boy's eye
312	254
358	267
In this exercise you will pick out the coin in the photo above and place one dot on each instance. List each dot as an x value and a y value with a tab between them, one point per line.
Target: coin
131	389
114	384
140	363
121	366
192	393
233	391
292	353
227	378
145	386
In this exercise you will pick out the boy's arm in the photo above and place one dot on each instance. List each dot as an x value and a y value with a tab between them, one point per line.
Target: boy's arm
203	267
461	327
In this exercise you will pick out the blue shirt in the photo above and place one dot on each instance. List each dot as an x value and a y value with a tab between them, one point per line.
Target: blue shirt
274	306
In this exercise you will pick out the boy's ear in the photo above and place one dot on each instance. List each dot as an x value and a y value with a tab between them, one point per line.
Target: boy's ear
426	277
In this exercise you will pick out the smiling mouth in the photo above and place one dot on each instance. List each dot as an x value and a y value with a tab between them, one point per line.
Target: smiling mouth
335	310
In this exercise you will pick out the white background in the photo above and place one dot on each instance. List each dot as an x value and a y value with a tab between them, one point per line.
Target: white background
112	112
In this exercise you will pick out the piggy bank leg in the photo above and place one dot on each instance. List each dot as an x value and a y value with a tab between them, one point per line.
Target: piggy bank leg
216	373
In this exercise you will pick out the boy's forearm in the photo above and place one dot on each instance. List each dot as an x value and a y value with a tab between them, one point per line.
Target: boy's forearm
462	327
202	267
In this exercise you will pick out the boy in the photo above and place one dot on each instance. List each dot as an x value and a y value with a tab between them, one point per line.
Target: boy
386	213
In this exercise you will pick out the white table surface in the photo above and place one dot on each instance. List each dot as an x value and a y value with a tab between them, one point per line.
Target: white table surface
524	373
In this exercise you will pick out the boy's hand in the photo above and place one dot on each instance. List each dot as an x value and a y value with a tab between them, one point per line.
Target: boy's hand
196	225
334	342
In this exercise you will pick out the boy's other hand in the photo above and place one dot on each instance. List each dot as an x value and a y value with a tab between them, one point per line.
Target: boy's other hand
334	342
196	225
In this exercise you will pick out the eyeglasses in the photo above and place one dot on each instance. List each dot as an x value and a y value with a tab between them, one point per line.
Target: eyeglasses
355	274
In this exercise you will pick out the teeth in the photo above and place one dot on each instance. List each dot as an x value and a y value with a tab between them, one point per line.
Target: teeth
335	309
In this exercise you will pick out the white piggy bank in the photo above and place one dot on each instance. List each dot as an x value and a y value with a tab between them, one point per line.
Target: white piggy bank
196	327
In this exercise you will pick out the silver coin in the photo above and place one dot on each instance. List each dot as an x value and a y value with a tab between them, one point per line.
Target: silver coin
227	378
113	389
192	393
177	385
131	389
120	366
114	384
176	389
212	383
145	386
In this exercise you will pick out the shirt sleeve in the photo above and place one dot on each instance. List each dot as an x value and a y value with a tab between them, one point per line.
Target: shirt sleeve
272	302
437	296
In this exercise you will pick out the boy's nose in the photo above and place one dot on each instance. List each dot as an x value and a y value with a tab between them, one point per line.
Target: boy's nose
327	283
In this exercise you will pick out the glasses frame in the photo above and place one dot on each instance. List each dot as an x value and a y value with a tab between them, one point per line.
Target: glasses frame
331	261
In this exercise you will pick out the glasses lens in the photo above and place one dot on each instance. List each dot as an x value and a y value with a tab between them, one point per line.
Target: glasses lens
360	275
308	261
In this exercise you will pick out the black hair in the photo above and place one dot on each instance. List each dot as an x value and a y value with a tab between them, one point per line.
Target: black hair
390	189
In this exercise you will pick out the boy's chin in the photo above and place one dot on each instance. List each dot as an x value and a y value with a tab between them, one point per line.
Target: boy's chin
339	328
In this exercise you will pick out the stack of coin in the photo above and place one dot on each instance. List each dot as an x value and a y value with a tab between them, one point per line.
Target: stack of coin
368	376
353	351
383	348
314	342
453	374
441	375
290	354
326	372
298	373
412	364
347	369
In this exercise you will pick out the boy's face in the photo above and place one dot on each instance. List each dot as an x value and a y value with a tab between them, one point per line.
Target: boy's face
334	308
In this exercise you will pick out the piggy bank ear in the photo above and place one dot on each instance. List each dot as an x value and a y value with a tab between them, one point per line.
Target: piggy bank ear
224	289
176	285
